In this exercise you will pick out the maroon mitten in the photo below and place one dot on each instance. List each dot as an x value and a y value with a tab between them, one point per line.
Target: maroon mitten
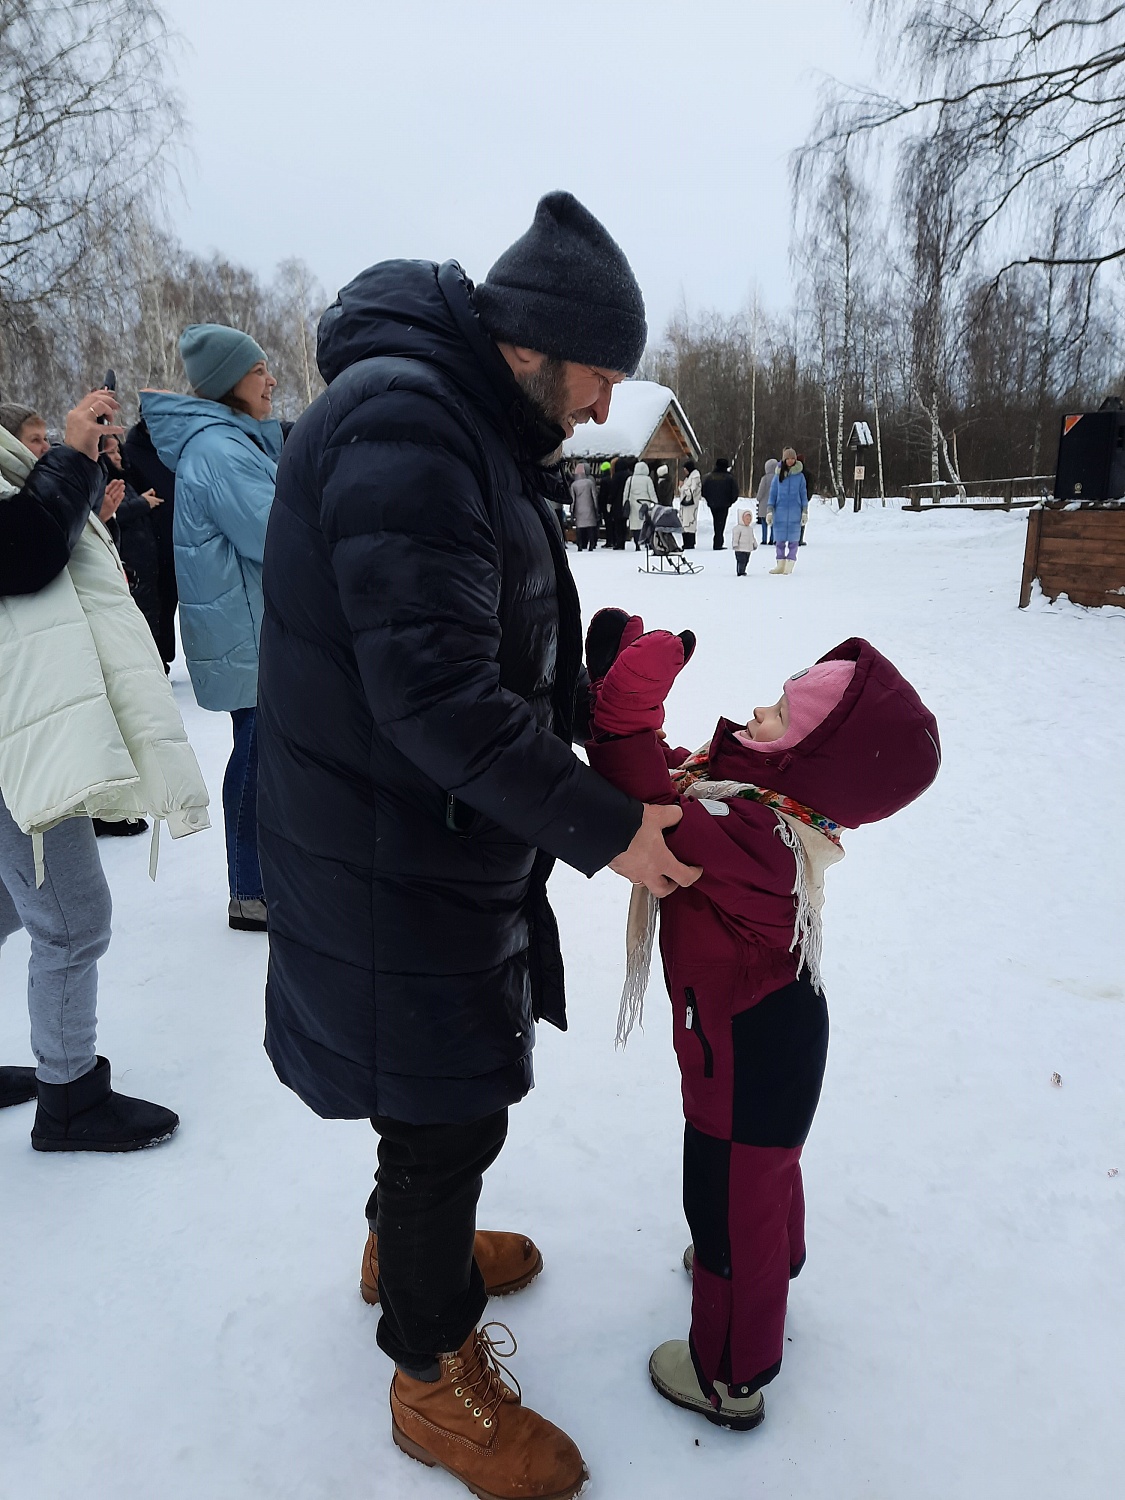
610	631
631	696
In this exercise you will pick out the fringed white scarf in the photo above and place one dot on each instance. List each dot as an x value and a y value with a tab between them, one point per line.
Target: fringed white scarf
813	853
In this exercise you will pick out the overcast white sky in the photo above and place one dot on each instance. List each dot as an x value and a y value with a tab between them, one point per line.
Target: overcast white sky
349	131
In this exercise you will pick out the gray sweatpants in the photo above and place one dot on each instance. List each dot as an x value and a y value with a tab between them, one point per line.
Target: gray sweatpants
67	919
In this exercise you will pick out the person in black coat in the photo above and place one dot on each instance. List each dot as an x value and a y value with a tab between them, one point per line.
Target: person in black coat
720	490
41	523
134	534
618	517
418	693
144	471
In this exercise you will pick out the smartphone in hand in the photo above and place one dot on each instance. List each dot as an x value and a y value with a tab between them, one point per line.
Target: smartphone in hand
108	384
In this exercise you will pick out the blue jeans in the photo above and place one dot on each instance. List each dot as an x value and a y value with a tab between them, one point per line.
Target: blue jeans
240	810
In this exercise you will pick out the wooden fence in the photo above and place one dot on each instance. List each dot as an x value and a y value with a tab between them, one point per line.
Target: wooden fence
1080	553
1034	488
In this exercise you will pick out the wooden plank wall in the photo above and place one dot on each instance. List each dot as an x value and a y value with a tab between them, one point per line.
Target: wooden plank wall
1080	553
667	443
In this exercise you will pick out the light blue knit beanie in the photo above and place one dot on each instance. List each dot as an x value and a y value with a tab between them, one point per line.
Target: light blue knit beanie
216	358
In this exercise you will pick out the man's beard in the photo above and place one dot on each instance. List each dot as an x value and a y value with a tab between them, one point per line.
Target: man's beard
545	390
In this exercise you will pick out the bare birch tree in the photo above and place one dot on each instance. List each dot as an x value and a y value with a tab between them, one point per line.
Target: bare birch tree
1016	91
833	214
86	113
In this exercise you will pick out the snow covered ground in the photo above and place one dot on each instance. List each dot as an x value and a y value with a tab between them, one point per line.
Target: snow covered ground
185	1322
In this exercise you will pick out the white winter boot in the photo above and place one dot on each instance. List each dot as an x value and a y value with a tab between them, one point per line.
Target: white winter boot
789	565
673	1374
779	567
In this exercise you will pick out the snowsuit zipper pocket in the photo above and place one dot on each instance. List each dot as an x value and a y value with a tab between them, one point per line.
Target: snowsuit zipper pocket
696	1025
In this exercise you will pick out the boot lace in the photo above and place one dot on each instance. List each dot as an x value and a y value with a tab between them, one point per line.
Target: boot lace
484	1380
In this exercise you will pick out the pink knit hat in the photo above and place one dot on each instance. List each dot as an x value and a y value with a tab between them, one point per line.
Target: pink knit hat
811	695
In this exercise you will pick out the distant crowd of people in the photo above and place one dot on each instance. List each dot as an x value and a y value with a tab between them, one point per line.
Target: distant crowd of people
611	500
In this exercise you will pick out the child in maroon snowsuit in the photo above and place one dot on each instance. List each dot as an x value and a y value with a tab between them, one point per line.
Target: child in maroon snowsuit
850	742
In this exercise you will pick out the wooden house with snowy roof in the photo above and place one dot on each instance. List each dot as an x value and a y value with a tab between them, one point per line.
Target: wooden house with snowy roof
645	420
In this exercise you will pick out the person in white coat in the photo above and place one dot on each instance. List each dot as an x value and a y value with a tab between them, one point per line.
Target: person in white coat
691	489
88	727
639	491
743	541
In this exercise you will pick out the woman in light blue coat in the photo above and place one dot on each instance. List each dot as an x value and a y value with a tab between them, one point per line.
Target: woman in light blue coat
788	509
223	445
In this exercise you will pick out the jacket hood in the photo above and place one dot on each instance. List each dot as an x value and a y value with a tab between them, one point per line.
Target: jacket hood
745	518
771	465
414	309
172	422
640	468
875	752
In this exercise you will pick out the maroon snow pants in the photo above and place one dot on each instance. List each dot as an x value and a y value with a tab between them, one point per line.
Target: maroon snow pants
751	1087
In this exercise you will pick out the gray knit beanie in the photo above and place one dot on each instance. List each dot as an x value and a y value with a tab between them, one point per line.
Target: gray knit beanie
217	357
566	290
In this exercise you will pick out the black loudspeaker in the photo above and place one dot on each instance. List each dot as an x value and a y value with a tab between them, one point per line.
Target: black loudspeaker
1091	462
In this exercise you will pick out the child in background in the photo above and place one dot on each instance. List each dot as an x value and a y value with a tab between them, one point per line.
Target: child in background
743	541
848	742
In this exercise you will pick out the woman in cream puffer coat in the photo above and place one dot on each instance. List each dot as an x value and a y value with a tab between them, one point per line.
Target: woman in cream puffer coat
690	492
639	491
88	726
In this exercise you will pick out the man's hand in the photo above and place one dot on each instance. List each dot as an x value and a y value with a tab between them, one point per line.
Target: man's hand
153	499
83	430
648	859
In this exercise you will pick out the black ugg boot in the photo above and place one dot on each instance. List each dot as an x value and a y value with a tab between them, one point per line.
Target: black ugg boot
87	1115
122	828
17	1086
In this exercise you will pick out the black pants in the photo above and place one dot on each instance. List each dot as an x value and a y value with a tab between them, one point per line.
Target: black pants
740	561
587	538
424	1210
719	515
689	540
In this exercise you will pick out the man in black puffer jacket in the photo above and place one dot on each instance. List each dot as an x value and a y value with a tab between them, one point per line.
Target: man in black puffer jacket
420	665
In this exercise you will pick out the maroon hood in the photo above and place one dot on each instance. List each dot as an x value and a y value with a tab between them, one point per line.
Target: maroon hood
876	751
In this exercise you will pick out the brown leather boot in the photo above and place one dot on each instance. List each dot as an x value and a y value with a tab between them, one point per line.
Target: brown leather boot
472	1424
508	1263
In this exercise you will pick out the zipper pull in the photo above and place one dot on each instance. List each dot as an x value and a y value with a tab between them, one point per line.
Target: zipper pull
690	1016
